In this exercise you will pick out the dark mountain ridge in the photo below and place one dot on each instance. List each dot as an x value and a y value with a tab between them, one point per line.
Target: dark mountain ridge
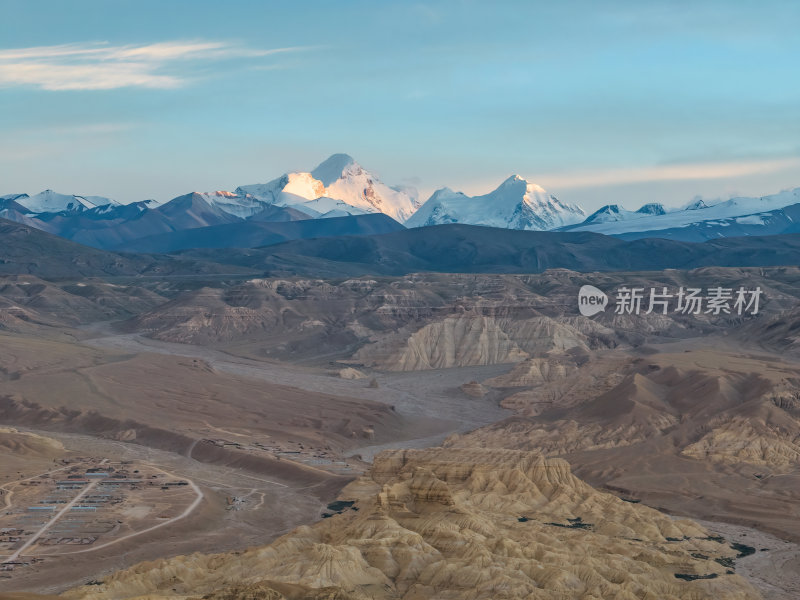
443	248
30	251
254	233
474	249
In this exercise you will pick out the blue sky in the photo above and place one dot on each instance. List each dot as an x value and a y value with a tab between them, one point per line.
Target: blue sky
599	102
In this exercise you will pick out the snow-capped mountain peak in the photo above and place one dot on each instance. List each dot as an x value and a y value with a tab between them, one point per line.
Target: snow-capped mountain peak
607	214
446	192
696	204
338	178
515	204
613	213
49	201
652	208
518	182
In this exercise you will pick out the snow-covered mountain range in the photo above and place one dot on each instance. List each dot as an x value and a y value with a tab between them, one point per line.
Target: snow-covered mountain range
653	218
515	204
340	187
49	201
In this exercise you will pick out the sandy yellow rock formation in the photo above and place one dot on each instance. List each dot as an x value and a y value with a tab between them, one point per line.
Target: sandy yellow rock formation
470	339
455	342
444	524
28	444
350	373
535	371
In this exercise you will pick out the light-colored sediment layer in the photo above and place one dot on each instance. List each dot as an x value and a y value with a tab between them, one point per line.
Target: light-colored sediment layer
452	342
473	339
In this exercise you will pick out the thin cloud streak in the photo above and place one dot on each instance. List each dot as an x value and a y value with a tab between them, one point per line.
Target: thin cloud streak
100	66
55	77
684	172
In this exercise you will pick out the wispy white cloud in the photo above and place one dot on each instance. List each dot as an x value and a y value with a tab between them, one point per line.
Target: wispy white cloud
50	76
101	66
677	172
